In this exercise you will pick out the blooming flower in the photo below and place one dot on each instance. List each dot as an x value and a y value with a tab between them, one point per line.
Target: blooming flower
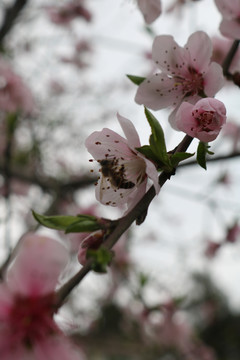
203	120
14	95
27	328
230	10
124	171
151	9
186	73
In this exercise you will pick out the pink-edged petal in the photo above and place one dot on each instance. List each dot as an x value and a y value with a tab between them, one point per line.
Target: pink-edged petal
56	348
230	28
136	196
172	116
185	120
158	91
168	55
106	143
152	173
129	131
199	47
151	9
37	266
213	79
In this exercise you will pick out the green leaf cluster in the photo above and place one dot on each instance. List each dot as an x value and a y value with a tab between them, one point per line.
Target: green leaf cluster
157	151
101	259
69	224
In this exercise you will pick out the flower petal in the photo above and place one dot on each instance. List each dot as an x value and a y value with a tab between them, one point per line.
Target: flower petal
230	28
152	173
56	347
106	143
129	131
168	55
199	47
213	80
158	92
37	266
107	194
151	9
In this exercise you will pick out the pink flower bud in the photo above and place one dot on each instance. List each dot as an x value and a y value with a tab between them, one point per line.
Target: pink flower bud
203	120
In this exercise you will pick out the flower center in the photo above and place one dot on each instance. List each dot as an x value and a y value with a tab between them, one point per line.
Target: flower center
205	120
191	85
32	319
115	171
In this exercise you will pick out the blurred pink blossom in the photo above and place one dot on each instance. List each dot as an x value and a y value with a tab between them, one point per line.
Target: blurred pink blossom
14	95
204	120
221	47
187	73
232	131
63	15
151	9
27	304
233	233
124	171
212	248
230	10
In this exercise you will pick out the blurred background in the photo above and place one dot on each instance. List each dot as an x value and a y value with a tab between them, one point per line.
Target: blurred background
172	291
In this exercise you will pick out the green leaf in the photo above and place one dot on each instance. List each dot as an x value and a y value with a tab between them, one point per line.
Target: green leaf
101	259
157	140
65	222
201	154
83	226
137	80
178	157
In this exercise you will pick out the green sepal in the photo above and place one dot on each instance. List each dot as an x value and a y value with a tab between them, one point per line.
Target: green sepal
157	141
68	223
202	152
101	257
137	80
178	157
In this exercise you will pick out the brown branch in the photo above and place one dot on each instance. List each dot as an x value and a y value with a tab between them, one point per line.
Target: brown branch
11	15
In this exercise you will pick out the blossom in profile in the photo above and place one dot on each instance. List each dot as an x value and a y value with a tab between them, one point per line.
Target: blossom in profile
230	10
187	73
124	171
151	9
27	304
204	120
14	94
